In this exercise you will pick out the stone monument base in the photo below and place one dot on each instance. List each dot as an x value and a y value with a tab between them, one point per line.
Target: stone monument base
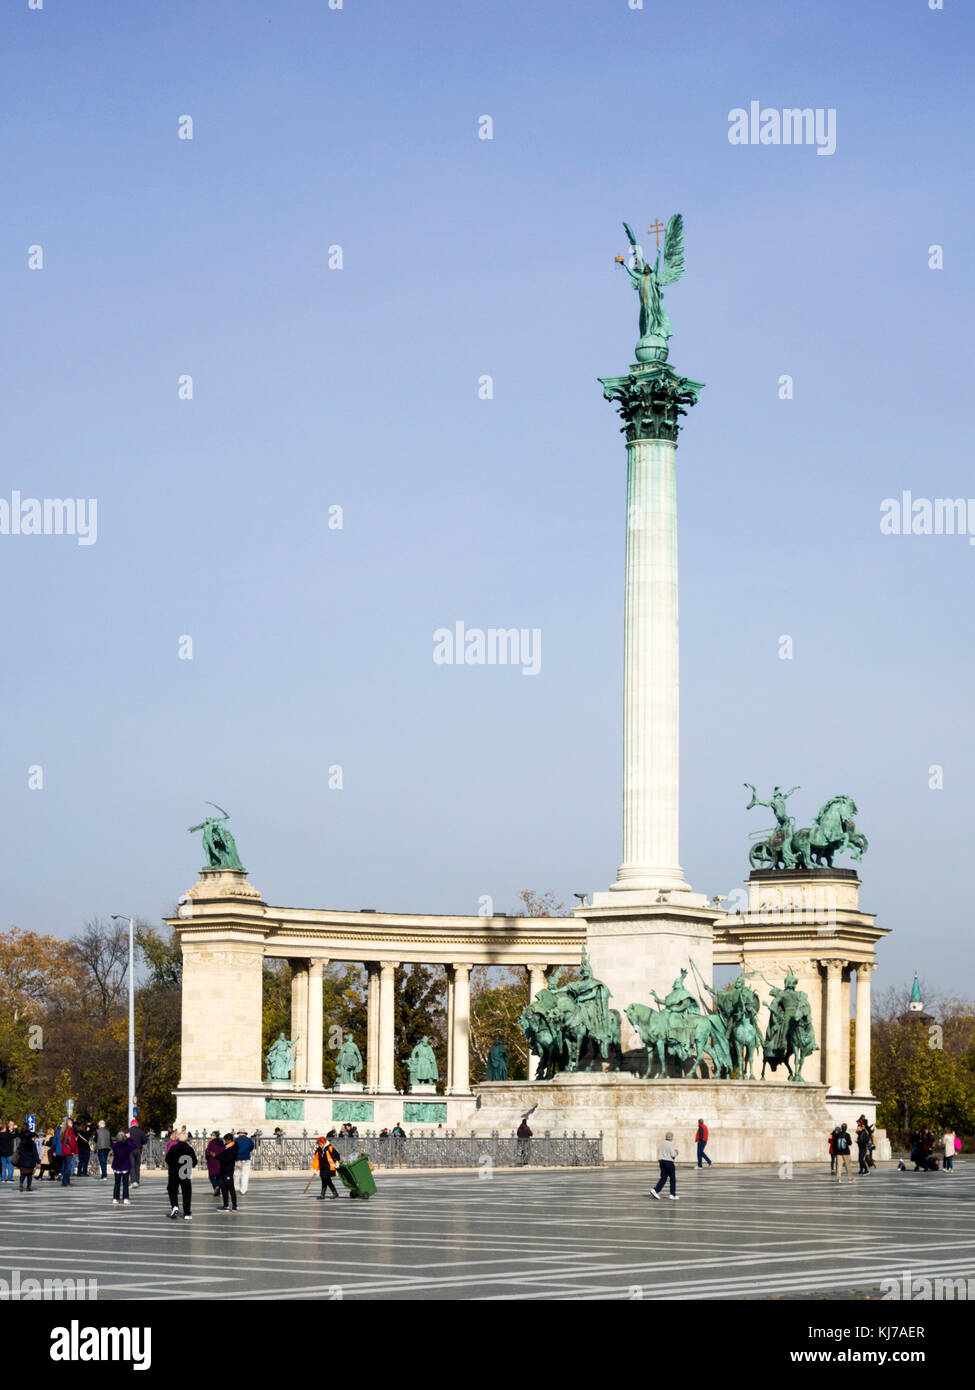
300	1110
748	1121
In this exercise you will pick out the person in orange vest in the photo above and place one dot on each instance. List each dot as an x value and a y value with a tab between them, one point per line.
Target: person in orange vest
326	1160
700	1139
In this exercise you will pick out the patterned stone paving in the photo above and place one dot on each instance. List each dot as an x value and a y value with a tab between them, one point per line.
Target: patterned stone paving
735	1234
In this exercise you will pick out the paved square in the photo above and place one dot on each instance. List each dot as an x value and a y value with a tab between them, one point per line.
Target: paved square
585	1234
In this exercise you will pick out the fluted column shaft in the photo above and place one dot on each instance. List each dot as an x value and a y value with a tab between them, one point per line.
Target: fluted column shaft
372	1025
461	1030
834	1018
314	1040
861	1063
299	1018
650	671
387	1003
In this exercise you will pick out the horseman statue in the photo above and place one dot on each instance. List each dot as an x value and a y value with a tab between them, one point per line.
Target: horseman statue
737	1007
571	1023
678	1030
784	847
790	1031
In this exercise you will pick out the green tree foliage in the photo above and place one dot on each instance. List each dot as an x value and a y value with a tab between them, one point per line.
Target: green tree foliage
923	1065
421	996
498	995
345	1011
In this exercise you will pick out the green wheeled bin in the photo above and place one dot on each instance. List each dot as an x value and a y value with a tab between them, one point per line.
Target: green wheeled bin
357	1177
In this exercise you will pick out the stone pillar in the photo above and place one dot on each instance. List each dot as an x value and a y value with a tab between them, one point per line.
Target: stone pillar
461	1030
299	1018
650	671
448	1084
221	1014
387	1018
372	1026
861	1076
810	981
536	980
834	1012
845	975
314	1040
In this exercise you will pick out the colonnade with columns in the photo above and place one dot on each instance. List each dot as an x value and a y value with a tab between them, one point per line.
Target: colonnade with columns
308	1021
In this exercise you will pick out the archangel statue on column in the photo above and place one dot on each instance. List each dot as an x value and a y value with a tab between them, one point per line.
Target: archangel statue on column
648	280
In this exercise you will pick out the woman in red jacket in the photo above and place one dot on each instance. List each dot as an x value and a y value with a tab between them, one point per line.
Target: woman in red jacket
69	1152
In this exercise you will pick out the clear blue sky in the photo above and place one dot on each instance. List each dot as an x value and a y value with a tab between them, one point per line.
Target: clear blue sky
358	387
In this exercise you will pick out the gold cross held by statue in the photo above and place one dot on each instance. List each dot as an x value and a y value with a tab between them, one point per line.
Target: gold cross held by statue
656	229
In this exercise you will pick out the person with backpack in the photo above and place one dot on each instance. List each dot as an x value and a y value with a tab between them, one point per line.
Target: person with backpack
701	1139
122	1150
842	1146
328	1161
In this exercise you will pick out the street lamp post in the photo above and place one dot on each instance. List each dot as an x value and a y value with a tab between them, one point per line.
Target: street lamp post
128	1105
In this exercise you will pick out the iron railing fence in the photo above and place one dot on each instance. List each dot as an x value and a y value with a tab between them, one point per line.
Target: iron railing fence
447	1150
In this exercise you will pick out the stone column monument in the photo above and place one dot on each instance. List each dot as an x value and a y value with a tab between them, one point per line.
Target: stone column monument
643	930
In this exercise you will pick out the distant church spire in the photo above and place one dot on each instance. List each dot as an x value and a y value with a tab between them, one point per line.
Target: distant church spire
916	1004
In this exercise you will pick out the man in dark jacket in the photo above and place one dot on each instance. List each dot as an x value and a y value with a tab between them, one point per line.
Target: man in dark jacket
138	1138
84	1149
842	1146
8	1143
228	1157
180	1162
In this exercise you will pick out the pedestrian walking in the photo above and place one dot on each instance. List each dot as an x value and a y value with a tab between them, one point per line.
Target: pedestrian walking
83	1134
328	1162
26	1157
667	1158
138	1139
701	1139
103	1146
863	1147
122	1167
69	1152
228	1157
180	1162
56	1153
842	1146
8	1148
212	1154
245	1147
832	1148
47	1156
948	1145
